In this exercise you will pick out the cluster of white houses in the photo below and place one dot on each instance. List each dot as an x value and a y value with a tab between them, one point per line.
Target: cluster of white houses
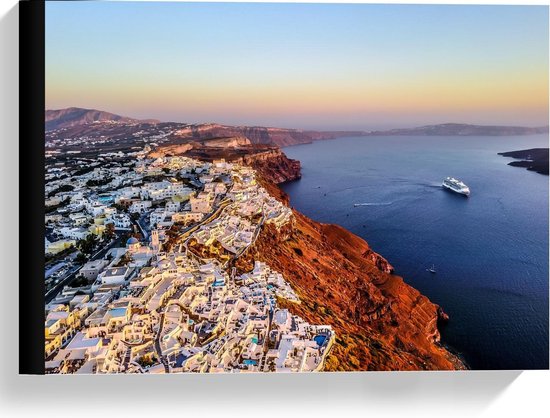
57	140
150	309
84	204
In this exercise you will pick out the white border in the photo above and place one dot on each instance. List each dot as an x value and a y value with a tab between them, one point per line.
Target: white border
437	394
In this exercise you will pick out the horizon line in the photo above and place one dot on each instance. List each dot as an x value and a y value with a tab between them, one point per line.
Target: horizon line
547	125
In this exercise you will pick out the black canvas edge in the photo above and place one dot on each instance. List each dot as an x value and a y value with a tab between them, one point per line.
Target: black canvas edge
31	181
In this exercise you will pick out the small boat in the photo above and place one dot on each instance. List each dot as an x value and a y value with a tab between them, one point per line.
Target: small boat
431	269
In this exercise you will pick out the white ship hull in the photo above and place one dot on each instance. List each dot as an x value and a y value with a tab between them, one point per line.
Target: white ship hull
463	191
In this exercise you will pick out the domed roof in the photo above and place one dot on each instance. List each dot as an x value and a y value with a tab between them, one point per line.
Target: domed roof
132	240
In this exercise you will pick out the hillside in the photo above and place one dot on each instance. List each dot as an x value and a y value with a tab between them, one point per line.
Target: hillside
91	124
75	116
381	322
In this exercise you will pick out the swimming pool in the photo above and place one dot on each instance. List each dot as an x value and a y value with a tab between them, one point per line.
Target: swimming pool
320	339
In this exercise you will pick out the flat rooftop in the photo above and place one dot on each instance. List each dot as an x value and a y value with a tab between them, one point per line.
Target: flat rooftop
116	271
117	312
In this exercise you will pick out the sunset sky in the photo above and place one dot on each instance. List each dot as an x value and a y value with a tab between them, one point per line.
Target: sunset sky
317	66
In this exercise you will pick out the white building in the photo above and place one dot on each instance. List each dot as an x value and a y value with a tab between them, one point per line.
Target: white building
161	218
91	269
201	204
115	275
172	206
119	220
74	233
79	218
163	190
95	208
187	217
140	206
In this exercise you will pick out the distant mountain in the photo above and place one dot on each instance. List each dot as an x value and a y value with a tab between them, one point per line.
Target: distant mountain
75	116
79	121
462	129
83	122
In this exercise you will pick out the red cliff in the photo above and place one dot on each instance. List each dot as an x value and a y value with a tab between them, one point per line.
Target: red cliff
273	165
381	322
261	135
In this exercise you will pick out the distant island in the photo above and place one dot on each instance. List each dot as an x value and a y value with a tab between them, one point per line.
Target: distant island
462	129
77	122
534	159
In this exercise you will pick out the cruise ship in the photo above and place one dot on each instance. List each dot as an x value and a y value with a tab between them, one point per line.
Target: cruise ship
456	186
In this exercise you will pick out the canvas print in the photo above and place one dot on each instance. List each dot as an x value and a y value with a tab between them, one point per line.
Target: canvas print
267	188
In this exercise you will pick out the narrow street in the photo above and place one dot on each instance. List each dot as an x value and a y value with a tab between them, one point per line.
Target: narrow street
126	359
140	223
157	345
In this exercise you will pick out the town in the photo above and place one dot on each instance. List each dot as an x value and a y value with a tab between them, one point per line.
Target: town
140	274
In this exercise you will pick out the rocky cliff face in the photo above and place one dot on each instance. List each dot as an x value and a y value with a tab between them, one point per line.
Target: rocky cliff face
261	135
231	142
179	149
273	166
268	160
381	322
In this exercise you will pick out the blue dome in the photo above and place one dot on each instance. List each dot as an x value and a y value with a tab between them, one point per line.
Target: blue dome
132	240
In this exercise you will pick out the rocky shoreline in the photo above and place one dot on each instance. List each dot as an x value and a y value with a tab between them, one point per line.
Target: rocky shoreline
533	159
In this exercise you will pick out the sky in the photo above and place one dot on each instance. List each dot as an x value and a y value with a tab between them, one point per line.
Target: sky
309	66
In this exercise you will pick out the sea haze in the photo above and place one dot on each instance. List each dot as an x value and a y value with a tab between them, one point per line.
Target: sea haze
490	250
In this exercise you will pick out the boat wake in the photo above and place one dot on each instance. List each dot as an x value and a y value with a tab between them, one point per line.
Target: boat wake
433	185
373	204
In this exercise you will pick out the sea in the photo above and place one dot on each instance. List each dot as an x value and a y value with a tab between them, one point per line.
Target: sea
490	250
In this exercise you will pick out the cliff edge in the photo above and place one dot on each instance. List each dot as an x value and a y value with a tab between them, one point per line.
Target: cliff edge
381	322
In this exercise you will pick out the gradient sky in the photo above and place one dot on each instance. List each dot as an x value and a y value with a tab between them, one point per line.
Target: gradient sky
320	66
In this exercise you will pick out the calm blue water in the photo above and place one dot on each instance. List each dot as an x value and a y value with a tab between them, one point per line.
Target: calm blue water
490	250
